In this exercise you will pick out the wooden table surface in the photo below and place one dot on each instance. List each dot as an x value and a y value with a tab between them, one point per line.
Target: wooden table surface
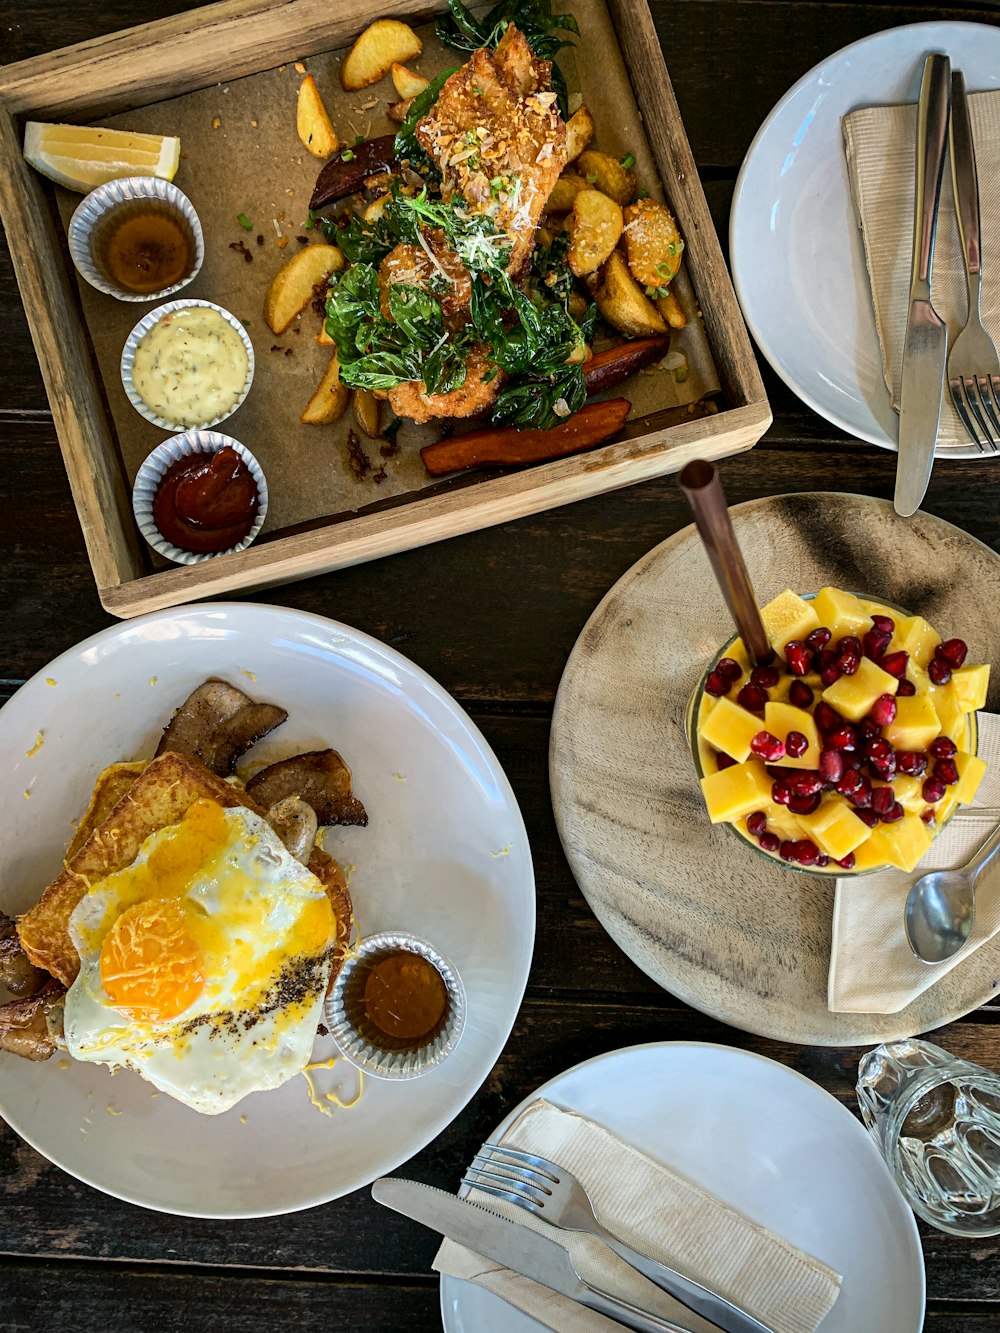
492	616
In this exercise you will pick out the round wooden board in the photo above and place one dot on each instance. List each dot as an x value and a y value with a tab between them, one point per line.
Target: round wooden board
743	940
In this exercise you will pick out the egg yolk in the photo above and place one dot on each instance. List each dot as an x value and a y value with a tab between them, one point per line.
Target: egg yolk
151	967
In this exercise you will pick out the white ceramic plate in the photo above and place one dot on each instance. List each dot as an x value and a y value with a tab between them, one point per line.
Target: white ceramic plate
445	855
795	249
766	1141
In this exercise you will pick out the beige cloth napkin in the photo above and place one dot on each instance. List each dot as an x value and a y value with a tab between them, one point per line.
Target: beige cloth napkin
872	970
653	1209
880	143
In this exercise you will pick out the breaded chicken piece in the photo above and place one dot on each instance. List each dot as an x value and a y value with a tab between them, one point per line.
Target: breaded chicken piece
441	273
475	395
498	139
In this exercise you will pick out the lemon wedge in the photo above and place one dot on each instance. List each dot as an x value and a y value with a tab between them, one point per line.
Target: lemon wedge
82	157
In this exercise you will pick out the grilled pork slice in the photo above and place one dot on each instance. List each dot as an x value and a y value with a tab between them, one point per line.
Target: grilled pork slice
498	139
25	1026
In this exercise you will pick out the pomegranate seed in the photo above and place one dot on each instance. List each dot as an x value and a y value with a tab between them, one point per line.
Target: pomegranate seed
804	805
895	664
800	694
906	689
844	738
728	669
752	698
818	639
954	651
787	850
913	762
849	663
847	862
831	673
805	783
942	747
723	760
868	817
883	799
946	771
831	765
765	676
775	771
891	815
767	747
716	685
781	793
757	823
798	657
879	750
867	730
824	659
875	643
939	671
928	816
769	841
850	782
826	717
806	852
852	759
850	643
822	860
796	745
883	624
883	710
933	790
861	796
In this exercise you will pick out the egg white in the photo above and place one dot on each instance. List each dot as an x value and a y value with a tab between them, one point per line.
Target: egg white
254	1024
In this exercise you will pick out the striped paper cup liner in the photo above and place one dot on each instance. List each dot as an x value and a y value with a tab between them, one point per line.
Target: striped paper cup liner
154	468
94	213
136	337
365	1045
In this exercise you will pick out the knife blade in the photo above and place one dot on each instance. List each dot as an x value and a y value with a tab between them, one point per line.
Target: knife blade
519	1248
925	348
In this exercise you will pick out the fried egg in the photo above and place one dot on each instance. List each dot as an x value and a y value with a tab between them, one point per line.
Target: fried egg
204	963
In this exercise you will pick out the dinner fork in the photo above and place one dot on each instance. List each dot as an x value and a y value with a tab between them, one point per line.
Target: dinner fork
973	363
551	1192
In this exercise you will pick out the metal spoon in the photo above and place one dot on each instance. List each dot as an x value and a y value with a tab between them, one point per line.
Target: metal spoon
941	906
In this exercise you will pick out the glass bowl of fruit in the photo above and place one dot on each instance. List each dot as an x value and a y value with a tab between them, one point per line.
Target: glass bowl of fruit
851	750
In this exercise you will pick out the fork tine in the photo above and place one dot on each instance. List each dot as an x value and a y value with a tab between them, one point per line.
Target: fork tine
499	1151
971	384
959	402
988	388
507	1171
522	1200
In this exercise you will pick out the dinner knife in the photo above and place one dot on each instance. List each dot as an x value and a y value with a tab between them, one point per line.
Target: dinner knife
518	1248
925	349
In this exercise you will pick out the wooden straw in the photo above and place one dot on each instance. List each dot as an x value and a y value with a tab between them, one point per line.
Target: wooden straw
703	491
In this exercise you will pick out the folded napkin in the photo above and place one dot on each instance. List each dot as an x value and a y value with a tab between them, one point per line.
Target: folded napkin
653	1209
880	143
872	970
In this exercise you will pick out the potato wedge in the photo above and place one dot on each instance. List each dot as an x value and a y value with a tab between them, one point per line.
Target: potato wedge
604	172
577	305
564	192
312	122
323	339
670	308
624	304
653	245
330	398
406	82
579	132
594	228
291	288
367	412
398	111
385	43
376	208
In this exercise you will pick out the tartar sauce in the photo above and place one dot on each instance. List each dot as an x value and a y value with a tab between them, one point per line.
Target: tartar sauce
190	368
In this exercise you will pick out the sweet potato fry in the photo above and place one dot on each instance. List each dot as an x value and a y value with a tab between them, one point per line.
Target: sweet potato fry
346	172
505	446
607	369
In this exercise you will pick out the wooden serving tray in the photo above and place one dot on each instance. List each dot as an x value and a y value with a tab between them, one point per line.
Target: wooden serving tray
232	39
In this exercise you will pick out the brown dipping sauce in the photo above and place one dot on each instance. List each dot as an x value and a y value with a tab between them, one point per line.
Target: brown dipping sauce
206	502
148	252
405	996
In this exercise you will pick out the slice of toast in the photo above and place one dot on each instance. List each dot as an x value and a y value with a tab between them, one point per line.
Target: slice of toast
158	797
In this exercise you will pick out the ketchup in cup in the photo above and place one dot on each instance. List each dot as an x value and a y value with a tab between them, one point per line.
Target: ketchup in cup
206	503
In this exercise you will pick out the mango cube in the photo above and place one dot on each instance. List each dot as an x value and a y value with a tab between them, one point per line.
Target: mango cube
780	820
971	770
835	828
788	617
854	695
909	792
969	684
914	635
872	853
915	725
841	612
950	714
737	791
780	719
730	728
904	842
